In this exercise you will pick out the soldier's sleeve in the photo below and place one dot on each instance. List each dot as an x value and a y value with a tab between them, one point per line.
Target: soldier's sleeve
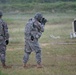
28	30
38	35
6	33
40	28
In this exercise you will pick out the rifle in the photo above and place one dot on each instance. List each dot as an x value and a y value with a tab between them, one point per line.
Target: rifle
43	21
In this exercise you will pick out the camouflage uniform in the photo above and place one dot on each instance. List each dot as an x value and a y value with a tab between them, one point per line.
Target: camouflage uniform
33	32
3	37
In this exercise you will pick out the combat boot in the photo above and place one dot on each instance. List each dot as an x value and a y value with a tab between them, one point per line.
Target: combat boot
39	66
5	66
25	65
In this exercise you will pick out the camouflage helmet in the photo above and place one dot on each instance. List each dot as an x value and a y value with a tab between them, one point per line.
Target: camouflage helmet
1	13
38	16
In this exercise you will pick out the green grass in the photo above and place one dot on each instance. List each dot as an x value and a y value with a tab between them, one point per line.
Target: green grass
58	59
16	7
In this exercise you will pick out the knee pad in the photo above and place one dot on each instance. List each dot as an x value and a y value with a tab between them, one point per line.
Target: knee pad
2	56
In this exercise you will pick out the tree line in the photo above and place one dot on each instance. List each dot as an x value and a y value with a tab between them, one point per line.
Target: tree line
32	1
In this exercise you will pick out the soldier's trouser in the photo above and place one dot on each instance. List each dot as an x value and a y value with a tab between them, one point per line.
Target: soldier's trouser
38	57
2	53
32	46
26	57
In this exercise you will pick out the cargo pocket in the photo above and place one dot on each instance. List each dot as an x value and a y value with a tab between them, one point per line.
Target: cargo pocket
1	38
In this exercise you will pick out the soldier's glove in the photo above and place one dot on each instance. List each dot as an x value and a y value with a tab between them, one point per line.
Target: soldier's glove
7	42
32	38
43	21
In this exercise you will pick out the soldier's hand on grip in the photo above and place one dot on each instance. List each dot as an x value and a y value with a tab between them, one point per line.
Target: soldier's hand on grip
32	38
7	42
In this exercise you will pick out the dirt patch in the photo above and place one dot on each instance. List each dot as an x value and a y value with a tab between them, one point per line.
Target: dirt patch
45	44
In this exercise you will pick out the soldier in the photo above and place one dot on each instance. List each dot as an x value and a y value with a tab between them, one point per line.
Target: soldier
4	40
33	32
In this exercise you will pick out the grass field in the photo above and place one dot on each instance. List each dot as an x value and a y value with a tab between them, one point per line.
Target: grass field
58	58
